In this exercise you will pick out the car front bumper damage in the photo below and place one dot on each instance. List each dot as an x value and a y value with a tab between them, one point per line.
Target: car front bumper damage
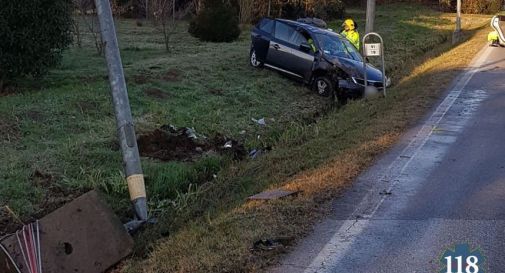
357	86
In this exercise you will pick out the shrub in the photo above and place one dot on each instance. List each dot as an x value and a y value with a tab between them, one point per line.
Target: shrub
330	10
33	34
446	5
473	6
217	22
481	6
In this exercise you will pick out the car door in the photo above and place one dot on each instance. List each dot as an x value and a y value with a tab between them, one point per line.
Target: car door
301	60
261	37
279	49
285	53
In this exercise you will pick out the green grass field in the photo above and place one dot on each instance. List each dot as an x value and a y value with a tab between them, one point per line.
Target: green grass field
64	127
58	137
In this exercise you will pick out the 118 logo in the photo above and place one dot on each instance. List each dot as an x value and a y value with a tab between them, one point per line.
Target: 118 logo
462	259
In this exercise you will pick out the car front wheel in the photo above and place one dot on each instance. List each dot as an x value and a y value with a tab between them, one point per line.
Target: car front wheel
323	86
253	60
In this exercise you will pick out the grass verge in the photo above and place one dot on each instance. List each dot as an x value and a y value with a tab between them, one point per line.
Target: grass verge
319	159
57	137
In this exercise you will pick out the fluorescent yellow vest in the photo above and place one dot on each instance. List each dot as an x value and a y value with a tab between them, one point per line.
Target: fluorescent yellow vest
352	36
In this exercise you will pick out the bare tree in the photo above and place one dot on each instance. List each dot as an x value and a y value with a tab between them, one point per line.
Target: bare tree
86	8
196	6
145	5
77	32
79	7
94	29
164	18
246	11
166	13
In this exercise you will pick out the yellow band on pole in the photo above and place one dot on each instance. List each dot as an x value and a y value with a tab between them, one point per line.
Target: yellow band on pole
136	186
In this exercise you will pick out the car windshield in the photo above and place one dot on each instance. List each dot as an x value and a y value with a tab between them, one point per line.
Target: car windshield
334	46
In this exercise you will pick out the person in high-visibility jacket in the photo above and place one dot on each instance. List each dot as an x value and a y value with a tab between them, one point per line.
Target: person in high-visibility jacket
312	45
493	38
349	31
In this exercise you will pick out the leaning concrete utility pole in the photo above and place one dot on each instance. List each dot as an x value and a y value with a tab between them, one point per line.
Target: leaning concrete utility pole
457	32
370	16
124	120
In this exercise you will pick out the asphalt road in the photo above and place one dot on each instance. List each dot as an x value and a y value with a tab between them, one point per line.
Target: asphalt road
442	185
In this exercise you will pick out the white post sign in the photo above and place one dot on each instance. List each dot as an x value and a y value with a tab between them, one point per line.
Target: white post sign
373	49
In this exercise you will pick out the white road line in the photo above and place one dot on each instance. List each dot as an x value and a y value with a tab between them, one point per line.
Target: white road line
339	244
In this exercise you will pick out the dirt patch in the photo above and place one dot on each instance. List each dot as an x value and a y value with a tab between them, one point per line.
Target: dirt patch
92	78
141	78
229	147
8	90
55	197
41	179
8	223
9	130
35	115
156	93
216	91
167	146
172	144
172	75
55	200
87	105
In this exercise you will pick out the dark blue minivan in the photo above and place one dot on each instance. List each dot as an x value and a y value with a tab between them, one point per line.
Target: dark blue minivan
319	57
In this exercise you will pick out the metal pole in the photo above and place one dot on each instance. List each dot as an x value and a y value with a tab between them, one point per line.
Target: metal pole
173	13
370	16
124	120
365	76
458	18
456	36
269	7
147	9
384	82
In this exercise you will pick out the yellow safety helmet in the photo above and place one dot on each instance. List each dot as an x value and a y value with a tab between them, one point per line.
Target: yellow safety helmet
349	24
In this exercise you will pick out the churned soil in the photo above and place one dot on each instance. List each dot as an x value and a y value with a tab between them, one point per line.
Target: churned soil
170	144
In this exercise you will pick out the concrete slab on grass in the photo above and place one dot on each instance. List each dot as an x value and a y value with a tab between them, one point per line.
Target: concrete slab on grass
83	236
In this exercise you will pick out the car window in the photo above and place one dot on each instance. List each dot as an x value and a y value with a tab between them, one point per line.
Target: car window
283	32
266	25
352	50
334	46
297	38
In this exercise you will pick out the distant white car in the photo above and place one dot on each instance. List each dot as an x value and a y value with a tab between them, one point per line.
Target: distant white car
498	24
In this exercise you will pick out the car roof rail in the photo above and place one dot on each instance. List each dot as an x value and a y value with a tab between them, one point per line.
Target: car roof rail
313	21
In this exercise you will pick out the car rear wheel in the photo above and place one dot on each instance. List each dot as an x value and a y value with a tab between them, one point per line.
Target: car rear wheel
323	86
253	60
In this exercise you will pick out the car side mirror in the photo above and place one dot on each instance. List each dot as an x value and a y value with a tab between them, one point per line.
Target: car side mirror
305	47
